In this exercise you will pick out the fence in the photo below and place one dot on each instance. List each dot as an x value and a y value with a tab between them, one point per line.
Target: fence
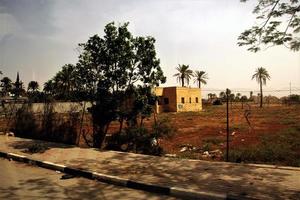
270	133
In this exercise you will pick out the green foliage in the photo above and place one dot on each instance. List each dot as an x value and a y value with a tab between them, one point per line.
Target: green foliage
280	148
36	97
141	139
206	147
244	98
25	124
6	86
33	86
213	140
163	128
116	73
200	77
261	75
49	126
123	68
217	102
279	25
184	74
222	96
294	98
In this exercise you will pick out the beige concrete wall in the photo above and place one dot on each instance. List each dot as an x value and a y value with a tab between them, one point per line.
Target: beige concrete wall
59	107
170	94
174	94
189	95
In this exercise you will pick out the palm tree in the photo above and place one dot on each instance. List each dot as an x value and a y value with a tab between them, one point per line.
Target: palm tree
63	83
33	86
184	74
68	78
49	87
238	96
261	75
222	96
200	77
6	85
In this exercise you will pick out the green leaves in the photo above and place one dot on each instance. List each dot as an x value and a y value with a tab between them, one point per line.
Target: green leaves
123	69
279	24
184	74
261	75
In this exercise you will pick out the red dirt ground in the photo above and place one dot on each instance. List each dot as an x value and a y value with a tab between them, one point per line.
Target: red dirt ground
197	128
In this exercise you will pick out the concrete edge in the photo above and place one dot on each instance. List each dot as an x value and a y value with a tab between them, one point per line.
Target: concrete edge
115	180
267	166
191	194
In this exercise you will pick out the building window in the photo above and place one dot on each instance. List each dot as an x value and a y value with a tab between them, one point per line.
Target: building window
190	100
182	99
166	100
196	99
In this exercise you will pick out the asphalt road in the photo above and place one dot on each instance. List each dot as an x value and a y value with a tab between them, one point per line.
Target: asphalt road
22	181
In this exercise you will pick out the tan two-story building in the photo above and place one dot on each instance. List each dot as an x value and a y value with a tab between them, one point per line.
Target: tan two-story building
178	99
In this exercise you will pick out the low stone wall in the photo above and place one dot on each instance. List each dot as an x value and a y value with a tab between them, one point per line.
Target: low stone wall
59	107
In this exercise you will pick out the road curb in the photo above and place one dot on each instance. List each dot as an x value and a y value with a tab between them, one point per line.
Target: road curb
115	180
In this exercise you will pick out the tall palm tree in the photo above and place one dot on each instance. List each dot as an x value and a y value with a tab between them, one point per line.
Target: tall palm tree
184	74
261	75
64	80
33	86
200	77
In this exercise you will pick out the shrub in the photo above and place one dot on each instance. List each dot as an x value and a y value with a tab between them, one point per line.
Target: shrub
25	123
142	140
217	102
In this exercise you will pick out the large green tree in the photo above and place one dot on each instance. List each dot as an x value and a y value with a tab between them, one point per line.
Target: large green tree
200	77
184	74
261	75
278	24
118	70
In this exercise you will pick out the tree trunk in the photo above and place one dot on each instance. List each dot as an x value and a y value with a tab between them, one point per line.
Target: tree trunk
81	123
199	84
261	94
99	136
182	82
121	125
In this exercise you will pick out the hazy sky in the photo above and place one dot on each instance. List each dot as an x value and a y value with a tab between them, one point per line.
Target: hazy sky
38	37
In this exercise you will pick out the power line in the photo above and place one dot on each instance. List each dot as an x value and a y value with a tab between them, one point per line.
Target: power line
219	90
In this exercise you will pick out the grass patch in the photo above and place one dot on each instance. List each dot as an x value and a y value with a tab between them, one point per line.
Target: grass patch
281	149
238	127
287	121
188	155
213	140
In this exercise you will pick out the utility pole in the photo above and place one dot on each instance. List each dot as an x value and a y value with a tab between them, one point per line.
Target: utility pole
227	122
